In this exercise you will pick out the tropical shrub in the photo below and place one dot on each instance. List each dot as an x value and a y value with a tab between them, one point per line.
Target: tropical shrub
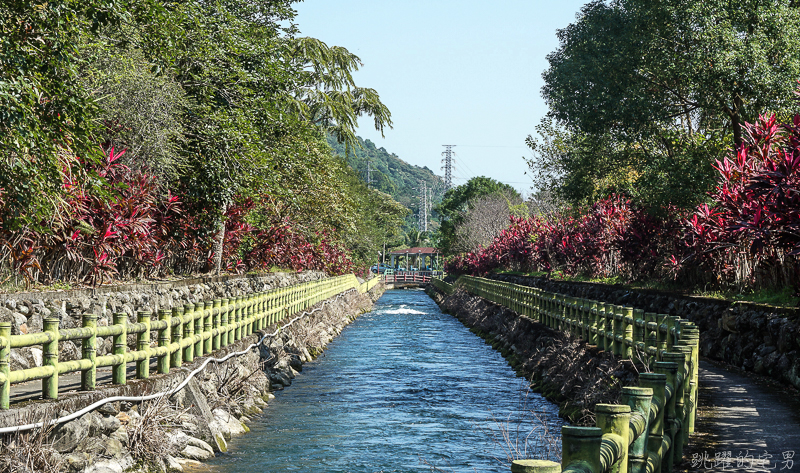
746	236
749	236
611	238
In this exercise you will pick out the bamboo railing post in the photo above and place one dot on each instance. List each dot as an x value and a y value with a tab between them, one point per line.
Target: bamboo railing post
5	365
164	339
638	328
661	320
628	322
680	361
89	352
670	369
143	345
50	358
259	313
608	333
176	359
639	399
657	382
569	314
208	342
198	329
616	340
224	338
691	337
237	319
672	327
245	315
686	414
580	446
614	421
216	325
119	371
188	332
250	312
586	317
554	312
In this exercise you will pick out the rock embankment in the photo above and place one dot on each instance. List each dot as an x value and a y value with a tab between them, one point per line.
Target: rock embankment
564	369
760	339
176	433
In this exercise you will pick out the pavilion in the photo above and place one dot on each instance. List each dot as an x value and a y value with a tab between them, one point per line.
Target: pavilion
424	257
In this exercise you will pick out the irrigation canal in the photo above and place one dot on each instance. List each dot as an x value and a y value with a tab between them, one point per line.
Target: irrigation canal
404	388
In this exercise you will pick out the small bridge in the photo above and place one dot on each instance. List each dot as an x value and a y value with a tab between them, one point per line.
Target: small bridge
406	279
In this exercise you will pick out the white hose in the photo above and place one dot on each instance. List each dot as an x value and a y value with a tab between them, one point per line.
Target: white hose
91	407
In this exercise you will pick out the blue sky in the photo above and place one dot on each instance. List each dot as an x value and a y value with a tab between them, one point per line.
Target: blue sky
466	73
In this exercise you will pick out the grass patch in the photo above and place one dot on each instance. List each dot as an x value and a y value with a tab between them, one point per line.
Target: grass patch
777	297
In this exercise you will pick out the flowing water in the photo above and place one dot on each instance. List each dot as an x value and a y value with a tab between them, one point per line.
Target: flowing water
404	388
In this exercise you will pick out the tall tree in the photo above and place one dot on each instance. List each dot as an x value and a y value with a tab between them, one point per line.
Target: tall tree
459	200
254	88
668	81
46	117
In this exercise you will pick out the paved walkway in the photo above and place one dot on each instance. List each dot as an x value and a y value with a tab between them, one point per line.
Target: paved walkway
744	424
70	382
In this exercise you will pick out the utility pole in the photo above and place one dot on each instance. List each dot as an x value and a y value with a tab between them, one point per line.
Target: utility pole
448	166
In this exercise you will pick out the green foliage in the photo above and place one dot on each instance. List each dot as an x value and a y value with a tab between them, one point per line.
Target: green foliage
582	168
142	112
46	118
390	174
221	100
646	95
457	202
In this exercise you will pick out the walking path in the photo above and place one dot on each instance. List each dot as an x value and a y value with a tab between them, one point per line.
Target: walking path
744	424
67	383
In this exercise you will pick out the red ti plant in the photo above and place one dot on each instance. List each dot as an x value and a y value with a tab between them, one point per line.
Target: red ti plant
750	234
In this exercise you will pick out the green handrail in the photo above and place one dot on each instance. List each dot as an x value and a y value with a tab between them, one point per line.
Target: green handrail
648	431
181	334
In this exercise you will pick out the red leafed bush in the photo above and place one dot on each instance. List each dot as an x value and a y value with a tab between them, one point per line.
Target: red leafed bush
125	227
122	228
611	238
279	245
750	234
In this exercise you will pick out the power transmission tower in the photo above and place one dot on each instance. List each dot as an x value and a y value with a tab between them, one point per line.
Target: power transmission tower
448	166
423	207
369	173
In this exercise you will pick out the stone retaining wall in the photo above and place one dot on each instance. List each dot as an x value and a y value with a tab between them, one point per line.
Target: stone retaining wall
761	339
26	311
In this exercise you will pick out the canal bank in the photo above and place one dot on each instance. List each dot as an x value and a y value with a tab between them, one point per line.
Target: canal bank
564	369
177	433
404	388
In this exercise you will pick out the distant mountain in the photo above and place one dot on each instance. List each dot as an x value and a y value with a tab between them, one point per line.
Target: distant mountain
392	175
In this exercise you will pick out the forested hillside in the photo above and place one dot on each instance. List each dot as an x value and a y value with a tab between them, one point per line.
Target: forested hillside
392	175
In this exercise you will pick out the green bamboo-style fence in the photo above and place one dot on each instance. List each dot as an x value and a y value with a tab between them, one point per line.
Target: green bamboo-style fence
182	334
648	430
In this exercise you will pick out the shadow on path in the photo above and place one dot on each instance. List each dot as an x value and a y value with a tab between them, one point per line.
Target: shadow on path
743	424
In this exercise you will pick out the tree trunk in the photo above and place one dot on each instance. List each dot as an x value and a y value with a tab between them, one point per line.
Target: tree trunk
736	121
219	244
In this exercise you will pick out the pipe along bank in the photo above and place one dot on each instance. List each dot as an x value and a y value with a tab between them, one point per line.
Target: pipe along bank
647	432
